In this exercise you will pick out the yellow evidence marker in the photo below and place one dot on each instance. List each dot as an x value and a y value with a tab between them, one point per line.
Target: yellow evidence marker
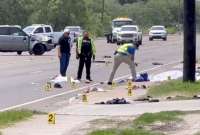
130	88
113	85
48	86
84	98
52	118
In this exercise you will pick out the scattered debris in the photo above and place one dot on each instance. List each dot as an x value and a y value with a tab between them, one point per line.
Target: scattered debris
115	101
144	87
157	63
107	56
196	97
142	99
154	100
143	77
58	86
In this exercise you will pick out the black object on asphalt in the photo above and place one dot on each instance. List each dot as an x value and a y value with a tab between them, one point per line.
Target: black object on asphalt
157	63
107	56
57	85
154	100
115	101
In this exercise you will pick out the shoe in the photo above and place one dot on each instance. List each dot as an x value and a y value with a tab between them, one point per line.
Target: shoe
109	83
57	85
88	81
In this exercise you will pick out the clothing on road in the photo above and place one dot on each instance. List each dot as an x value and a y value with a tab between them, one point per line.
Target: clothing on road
124	54
85	51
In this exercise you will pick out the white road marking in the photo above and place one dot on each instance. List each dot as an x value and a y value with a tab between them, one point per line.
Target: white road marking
79	89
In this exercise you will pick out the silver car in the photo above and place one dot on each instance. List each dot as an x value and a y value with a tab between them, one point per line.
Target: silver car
14	39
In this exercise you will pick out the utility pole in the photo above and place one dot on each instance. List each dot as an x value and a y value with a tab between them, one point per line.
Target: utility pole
189	67
103	9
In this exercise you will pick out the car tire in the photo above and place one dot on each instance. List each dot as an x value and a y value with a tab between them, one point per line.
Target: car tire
39	49
140	42
150	39
19	52
165	39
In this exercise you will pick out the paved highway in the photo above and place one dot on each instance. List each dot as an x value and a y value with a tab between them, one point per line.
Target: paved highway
23	77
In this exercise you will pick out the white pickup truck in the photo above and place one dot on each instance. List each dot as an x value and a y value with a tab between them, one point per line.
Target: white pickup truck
129	33
45	30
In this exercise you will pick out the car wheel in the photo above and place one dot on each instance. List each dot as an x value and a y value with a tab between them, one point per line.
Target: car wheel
39	49
150	39
19	52
140	42
165	39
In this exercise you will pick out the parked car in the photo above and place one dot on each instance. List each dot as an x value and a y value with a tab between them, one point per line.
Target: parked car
14	39
75	30
129	33
45	30
158	32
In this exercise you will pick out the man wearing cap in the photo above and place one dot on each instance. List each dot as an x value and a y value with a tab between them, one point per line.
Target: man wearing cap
124	54
64	52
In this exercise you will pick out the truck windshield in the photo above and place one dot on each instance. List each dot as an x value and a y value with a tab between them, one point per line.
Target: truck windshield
129	29
29	30
157	28
121	23
74	29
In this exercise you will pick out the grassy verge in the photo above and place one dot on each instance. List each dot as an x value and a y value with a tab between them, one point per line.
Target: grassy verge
151	118
144	120
123	132
172	88
11	117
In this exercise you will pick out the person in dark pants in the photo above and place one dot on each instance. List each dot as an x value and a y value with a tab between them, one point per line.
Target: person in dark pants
85	52
64	53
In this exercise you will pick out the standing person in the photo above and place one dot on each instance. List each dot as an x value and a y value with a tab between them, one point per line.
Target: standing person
64	53
124	54
86	50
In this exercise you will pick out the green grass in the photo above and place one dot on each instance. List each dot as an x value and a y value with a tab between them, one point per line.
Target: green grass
143	120
123	132
151	118
11	117
176	87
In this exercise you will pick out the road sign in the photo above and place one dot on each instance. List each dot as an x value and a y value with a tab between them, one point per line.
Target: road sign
52	118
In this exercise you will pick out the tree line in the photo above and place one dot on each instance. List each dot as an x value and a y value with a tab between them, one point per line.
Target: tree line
92	14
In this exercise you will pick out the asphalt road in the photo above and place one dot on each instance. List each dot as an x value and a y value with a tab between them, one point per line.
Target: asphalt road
23	77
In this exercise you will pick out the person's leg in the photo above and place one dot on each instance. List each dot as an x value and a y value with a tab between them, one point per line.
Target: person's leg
81	66
88	68
62	64
131	64
67	58
117	62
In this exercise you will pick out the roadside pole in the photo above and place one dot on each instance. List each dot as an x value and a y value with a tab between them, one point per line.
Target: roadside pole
189	67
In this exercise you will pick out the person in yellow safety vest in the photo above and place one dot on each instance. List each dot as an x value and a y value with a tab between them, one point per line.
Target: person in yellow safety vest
85	51
124	54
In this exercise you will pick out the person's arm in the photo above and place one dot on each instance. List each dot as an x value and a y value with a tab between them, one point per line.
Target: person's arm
59	52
